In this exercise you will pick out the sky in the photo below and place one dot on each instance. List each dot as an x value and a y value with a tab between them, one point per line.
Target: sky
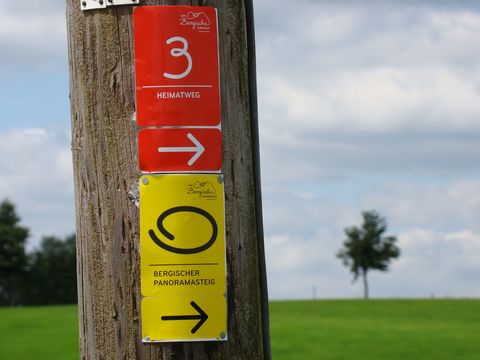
362	105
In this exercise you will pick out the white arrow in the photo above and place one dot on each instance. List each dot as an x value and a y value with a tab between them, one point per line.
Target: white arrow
198	149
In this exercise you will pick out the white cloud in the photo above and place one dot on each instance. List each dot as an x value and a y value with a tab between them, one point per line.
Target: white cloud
396	136
438	207
396	92
298	266
439	263
36	174
32	34
369	67
439	245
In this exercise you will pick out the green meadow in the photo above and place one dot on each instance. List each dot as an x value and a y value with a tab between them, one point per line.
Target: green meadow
40	333
376	330
307	330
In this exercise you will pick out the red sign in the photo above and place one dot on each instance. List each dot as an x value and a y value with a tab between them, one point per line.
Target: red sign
176	63
174	150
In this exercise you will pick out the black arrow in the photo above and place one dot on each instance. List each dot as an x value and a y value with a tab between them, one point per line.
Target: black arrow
202	316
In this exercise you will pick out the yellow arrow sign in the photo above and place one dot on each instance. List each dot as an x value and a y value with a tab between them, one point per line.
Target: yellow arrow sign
174	318
182	250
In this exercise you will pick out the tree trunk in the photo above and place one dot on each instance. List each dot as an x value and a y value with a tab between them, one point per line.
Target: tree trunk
365	284
106	174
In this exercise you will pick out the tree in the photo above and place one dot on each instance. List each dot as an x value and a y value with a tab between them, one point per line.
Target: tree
367	249
51	276
12	254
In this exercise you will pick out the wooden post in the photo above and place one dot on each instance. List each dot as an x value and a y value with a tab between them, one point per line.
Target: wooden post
106	175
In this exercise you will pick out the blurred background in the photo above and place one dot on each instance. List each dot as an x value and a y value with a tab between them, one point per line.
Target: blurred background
363	105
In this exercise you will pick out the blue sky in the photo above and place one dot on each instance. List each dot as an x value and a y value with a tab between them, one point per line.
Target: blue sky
363	105
32	98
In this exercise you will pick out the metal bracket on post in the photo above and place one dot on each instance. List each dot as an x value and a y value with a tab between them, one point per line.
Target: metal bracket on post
101	4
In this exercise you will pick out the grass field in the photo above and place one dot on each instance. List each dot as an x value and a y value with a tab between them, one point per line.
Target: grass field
40	333
307	330
376	330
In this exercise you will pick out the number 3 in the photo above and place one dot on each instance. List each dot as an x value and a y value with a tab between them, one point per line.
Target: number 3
177	52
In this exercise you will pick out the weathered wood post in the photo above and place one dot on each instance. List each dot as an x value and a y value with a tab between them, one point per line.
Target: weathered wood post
102	91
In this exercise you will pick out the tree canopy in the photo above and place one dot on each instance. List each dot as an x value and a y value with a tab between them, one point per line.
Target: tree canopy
46	275
51	274
13	258
366	248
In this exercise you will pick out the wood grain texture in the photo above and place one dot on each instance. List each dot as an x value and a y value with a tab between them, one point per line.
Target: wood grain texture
105	170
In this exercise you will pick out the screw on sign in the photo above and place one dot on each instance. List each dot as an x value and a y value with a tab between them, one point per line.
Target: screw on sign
176	66
185	318
182	257
179	150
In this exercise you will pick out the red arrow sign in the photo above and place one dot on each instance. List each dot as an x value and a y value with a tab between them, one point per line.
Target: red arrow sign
176	66
185	150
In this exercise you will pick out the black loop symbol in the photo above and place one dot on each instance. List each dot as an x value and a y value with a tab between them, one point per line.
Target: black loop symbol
170	236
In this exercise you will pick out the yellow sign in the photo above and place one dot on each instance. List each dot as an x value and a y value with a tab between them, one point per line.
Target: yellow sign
182	250
170	318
